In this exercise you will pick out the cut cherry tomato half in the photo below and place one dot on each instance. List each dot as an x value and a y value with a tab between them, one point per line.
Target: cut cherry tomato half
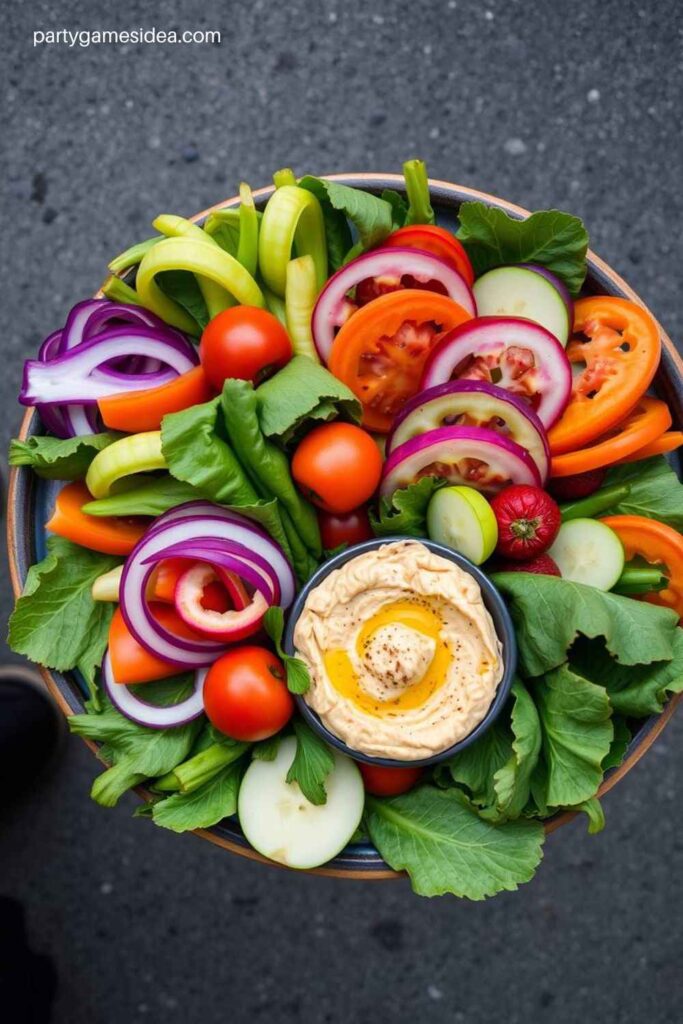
381	350
667	442
614	351
644	424
130	661
109	534
138	411
431	238
658	544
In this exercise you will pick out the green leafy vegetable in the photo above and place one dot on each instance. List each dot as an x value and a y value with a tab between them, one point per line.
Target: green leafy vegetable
266	750
182	287
554	239
398	206
655	491
371	216
312	763
56	622
406	511
635	691
550	612
596	816
149	496
475	767
57	459
203	807
620	742
577	736
298	676
417	187
445	846
302	393
136	752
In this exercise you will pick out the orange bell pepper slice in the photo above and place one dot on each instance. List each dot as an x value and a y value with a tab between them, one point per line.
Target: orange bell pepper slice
130	661
667	442
648	421
139	411
658	544
381	350
112	535
617	343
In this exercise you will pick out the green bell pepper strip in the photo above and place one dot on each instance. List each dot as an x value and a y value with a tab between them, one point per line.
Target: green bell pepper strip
637	579
224	227
247	246
284	177
292	216
301	292
417	186
138	453
132	256
215	296
151	496
201	256
594	504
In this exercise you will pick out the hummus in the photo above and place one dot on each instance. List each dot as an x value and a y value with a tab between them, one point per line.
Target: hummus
403	654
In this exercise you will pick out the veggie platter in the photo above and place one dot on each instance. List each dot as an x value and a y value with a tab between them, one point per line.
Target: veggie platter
258	389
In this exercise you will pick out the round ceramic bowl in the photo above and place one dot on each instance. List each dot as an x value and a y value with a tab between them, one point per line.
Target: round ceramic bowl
501	621
30	501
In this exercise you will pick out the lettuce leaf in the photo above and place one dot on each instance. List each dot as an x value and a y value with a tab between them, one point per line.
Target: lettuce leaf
619	746
301	394
438	837
551	238
55	622
55	459
313	762
151	496
549	613
406	511
372	217
203	807
182	287
577	734
656	491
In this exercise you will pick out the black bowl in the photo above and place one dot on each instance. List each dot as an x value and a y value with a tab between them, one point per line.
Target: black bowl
501	621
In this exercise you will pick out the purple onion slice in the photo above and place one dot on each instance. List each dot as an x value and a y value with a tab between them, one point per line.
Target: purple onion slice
151	715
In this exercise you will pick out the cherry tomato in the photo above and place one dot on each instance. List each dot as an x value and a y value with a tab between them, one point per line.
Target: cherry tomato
244	342
337	466
431	238
382	781
349	529
246	695
381	350
615	350
541	565
528	521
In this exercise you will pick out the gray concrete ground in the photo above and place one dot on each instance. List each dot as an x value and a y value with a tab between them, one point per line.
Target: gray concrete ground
545	103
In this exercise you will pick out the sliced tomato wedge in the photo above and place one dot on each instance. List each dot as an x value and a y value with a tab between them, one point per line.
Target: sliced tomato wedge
381	350
614	351
112	535
658	544
130	661
667	442
431	238
643	425
138	411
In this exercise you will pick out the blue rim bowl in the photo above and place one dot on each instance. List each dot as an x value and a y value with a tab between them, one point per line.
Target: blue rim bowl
501	621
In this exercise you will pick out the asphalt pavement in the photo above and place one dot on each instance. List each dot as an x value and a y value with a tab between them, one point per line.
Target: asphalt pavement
575	106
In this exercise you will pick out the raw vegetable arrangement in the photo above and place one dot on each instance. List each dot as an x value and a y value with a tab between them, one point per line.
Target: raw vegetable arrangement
251	395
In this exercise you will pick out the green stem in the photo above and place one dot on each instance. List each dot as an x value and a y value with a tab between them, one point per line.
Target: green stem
203	766
417	186
131	257
284	177
640	580
118	291
247	248
594	504
166	784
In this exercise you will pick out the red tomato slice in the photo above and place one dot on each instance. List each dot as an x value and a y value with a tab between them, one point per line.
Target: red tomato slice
431	238
381	350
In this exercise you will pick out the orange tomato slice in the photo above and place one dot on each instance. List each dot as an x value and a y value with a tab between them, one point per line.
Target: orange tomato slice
138	411
644	424
667	442
381	350
109	534
658	544
614	351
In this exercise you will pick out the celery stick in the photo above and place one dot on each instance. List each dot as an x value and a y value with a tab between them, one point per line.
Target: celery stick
417	186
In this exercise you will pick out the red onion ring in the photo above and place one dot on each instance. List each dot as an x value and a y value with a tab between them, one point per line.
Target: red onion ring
151	715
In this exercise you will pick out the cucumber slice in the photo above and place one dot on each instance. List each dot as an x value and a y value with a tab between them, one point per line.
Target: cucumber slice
280	823
518	291
462	519
587	551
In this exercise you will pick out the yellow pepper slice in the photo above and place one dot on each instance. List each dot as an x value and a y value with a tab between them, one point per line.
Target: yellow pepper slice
139	453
